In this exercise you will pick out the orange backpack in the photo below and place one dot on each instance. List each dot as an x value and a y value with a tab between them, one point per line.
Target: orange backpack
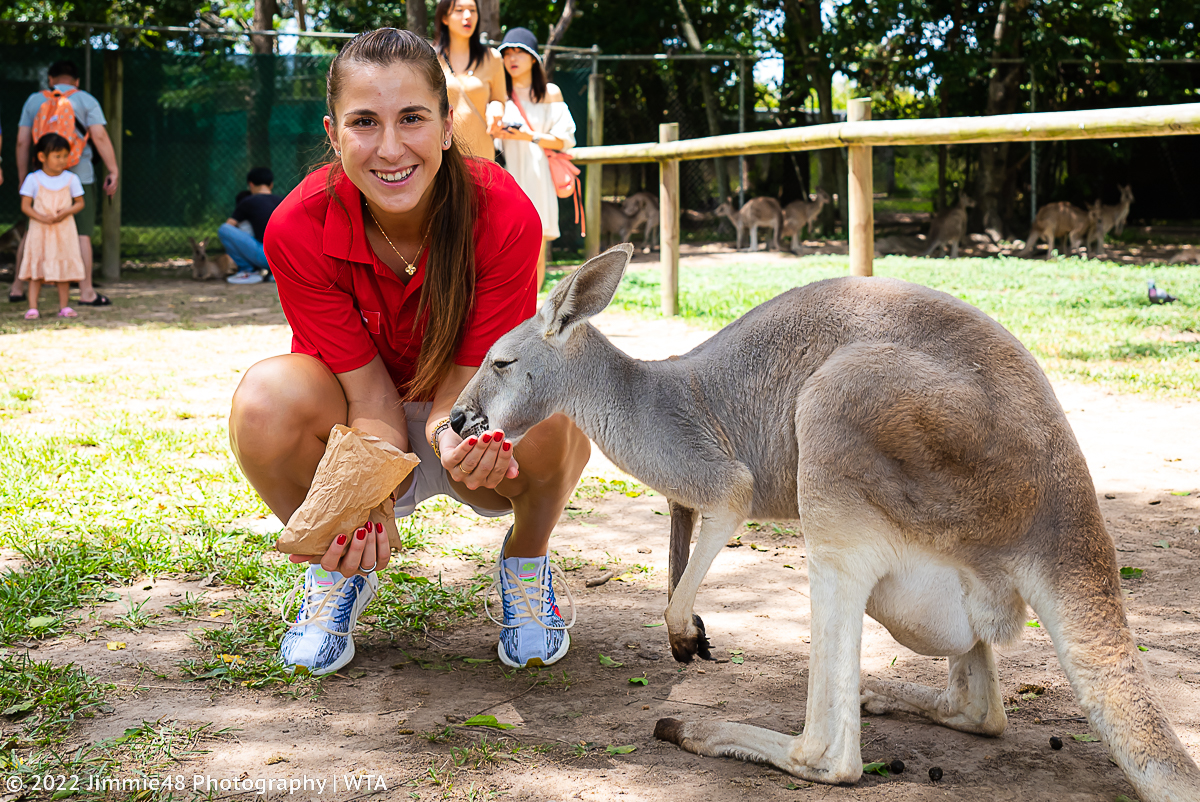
57	116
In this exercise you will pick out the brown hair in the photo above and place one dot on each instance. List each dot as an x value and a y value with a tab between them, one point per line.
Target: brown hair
441	35
449	288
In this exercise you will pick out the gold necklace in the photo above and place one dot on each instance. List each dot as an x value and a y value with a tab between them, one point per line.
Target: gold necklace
409	267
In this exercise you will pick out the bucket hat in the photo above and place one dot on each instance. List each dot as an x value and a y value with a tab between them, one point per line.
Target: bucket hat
522	38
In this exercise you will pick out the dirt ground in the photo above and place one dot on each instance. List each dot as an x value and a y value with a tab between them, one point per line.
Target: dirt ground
371	718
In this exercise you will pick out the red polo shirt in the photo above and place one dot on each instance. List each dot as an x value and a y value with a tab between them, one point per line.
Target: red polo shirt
345	305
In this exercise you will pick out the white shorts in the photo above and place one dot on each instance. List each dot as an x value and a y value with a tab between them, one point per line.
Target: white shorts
430	478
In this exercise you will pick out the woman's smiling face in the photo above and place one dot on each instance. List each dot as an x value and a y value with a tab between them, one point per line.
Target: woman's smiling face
391	134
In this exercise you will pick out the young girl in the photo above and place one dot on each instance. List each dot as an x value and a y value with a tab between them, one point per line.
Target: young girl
50	198
399	264
474	75
535	117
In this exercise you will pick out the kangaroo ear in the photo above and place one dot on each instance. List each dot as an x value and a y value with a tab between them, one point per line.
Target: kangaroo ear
584	293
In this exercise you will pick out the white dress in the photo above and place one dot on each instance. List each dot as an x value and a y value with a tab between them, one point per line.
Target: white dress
527	161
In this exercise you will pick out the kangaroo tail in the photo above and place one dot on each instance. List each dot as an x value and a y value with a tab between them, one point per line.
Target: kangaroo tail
1080	605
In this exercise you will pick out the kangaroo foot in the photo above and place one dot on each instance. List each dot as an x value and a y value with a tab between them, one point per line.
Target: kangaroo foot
691	643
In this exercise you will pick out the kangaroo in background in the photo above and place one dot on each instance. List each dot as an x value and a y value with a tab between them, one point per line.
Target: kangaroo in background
614	223
1106	219
756	212
798	215
950	227
642	208
1055	220
937	482
205	268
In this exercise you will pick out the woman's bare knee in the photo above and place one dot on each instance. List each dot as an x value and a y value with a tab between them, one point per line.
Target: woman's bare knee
281	401
552	456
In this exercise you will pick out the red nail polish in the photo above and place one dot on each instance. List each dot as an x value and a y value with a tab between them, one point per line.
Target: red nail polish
499	435
341	540
361	534
487	438
471	442
379	529
508	446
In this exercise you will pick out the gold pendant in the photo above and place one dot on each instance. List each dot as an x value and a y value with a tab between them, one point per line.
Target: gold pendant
411	269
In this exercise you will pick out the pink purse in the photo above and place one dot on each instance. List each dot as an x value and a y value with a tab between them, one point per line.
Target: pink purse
563	174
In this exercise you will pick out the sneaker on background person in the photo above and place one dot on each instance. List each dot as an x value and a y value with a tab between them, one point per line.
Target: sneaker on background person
245	277
320	639
532	632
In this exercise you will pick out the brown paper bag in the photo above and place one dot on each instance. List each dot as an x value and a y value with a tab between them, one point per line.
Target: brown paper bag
353	485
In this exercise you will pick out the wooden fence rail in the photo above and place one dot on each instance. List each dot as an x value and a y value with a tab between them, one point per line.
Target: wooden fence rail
860	133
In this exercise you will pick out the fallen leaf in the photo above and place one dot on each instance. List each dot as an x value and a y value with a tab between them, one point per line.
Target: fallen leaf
116	645
1033	624
620	750
659	624
474	661
217	613
1181	492
737	659
878	767
1162	544
639	681
1128	572
785	565
40	622
1142	648
232	658
487	721
19	707
273	759
1086	738
608	662
757	547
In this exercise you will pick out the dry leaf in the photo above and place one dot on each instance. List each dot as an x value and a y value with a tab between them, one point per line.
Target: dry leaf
116	645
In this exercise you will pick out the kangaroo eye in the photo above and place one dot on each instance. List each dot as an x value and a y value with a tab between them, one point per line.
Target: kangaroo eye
502	363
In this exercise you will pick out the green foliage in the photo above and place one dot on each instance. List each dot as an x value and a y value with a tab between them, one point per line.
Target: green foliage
42	699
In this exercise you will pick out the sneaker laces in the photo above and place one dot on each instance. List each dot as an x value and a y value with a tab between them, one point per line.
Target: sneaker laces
521	594
326	605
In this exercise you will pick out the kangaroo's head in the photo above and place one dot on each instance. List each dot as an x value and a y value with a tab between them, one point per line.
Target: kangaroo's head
1126	193
822	196
523	378
965	201
199	253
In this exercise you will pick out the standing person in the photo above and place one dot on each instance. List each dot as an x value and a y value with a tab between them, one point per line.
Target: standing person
474	75
50	198
535	118
246	250
89	126
399	265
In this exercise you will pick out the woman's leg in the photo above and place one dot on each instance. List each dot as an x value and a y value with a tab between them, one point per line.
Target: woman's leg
552	456
282	412
541	262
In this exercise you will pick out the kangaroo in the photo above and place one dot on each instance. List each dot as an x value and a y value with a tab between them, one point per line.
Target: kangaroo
798	215
204	268
950	227
614	222
756	212
1054	220
642	208
1108	218
936	479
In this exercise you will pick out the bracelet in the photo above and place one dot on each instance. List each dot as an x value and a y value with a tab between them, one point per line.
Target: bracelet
536	137
441	426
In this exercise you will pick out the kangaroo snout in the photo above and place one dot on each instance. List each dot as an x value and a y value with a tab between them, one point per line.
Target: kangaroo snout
466	423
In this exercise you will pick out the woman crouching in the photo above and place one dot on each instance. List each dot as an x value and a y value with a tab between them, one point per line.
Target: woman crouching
398	265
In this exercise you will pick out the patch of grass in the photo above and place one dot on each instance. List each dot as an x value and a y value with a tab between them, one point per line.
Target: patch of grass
407	603
43	700
1082	319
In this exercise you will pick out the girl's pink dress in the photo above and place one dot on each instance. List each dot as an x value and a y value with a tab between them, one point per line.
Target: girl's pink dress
52	252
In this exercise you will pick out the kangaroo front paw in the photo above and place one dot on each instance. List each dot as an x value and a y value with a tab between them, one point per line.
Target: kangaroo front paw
691	642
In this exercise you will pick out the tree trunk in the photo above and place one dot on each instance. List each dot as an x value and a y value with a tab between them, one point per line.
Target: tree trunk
264	20
557	33
1002	99
806	19
416	17
711	108
303	45
489	18
262	87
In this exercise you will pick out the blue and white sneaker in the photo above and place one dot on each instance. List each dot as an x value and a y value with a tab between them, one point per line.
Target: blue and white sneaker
320	638
533	632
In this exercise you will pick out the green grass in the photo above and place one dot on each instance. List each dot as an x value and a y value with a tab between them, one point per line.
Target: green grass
1083	320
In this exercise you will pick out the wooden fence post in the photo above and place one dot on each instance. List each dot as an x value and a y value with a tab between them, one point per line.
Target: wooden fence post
861	196
110	207
668	228
594	180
